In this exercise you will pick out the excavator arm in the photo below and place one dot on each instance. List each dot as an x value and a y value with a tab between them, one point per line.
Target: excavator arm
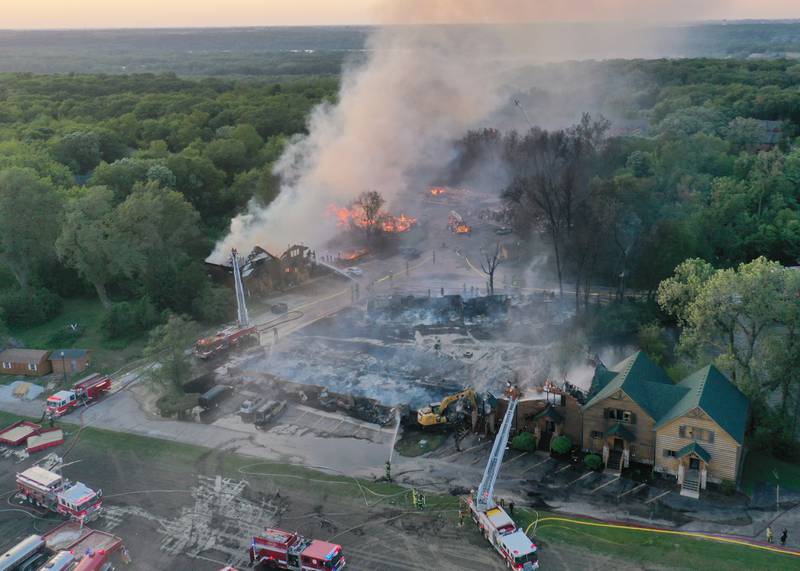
436	414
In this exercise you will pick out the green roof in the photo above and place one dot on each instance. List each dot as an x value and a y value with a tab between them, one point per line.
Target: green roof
641	379
620	430
711	391
694	448
664	401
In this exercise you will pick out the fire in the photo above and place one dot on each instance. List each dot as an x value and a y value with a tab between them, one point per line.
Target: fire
355	217
462	228
354	254
438	190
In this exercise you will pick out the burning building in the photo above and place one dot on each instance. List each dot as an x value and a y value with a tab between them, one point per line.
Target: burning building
357	218
263	272
456	224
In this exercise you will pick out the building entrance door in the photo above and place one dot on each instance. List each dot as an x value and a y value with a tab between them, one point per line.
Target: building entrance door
694	464
619	444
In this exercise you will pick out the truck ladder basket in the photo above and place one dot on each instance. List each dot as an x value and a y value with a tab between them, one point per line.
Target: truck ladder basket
484	498
241	307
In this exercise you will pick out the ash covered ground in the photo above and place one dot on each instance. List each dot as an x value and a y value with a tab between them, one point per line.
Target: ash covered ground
413	350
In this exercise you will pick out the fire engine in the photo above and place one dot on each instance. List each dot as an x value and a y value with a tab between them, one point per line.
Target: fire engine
518	551
285	550
52	491
85	390
240	335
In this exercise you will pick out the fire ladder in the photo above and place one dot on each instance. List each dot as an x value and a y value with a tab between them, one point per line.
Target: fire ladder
485	496
241	306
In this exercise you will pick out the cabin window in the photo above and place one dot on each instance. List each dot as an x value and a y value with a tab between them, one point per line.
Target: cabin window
7	364
33	367
696	434
596	434
557	399
623	416
669	453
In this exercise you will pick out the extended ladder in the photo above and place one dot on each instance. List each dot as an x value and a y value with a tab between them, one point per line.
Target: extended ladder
241	306
485	496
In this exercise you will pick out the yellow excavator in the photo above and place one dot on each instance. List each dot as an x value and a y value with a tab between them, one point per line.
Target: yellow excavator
437	413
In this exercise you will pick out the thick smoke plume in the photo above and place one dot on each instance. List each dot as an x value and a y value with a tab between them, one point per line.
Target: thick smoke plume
421	88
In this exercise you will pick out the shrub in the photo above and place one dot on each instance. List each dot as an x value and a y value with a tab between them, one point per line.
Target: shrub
129	319
524	441
593	461
727	487
177	404
561	445
25	309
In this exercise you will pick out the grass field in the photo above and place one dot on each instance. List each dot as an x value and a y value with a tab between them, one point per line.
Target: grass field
760	467
107	356
648	548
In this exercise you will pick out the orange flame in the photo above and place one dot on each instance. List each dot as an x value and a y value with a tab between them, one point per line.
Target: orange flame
355	217
438	190
462	228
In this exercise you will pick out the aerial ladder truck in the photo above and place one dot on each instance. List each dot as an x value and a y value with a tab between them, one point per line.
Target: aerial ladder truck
516	549
241	334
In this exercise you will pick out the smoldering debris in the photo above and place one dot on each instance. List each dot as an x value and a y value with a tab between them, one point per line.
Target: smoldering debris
411	351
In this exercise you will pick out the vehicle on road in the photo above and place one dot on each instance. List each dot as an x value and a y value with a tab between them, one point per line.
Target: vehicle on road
503	230
511	542
213	396
226	340
50	490
28	554
279	308
354	272
247	409
410	253
278	549
243	334
84	391
268	412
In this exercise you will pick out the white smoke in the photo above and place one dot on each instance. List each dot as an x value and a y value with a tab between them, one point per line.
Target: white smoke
421	88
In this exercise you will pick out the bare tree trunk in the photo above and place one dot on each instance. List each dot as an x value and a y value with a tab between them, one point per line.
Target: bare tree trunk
558	263
21	275
100	288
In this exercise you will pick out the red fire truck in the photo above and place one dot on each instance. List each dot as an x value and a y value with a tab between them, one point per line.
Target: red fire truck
285	550
225	340
52	491
85	390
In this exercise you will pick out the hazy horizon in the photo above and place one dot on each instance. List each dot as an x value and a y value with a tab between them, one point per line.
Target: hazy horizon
34	15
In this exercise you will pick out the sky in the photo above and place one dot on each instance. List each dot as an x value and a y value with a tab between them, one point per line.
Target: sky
32	14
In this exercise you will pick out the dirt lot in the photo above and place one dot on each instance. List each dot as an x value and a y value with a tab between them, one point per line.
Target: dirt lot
201	507
183	507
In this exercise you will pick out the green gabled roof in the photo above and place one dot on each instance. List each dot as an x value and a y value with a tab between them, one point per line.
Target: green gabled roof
601	378
642	380
620	430
695	448
711	391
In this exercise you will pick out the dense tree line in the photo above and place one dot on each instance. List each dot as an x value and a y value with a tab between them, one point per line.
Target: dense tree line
118	186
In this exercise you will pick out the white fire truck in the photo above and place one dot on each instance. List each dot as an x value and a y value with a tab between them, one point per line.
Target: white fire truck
52	491
518	551
280	549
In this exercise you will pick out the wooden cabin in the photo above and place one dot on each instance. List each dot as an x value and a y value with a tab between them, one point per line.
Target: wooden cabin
693	430
27	362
